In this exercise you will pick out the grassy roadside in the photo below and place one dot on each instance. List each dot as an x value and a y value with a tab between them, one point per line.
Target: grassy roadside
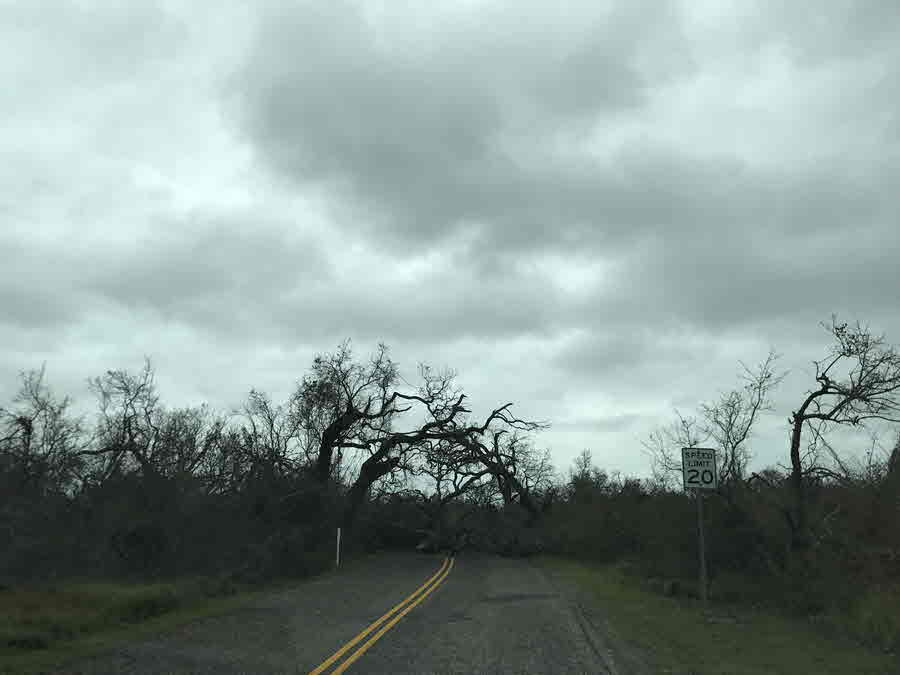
677	637
42	628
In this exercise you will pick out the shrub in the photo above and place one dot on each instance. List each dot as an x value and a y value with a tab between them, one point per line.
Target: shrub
145	603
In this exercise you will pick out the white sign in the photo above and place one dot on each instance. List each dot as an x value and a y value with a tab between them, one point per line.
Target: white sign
698	466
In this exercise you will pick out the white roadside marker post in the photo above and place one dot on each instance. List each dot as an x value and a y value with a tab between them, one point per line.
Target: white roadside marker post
337	552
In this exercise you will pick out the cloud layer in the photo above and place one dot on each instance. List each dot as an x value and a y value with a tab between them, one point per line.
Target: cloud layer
594	212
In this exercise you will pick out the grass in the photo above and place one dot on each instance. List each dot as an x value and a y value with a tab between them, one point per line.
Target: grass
678	637
43	627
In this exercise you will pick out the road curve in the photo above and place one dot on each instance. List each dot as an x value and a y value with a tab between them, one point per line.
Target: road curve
488	615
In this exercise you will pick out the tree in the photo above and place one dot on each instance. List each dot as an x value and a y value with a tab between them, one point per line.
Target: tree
500	447
189	440
441	406
127	431
663	446
857	382
270	435
728	422
454	476
41	440
585	479
343	405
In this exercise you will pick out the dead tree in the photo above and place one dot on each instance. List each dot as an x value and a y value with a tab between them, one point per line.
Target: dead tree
857	382
343	405
271	436
40	439
728	422
127	429
389	450
663	447
499	446
454	474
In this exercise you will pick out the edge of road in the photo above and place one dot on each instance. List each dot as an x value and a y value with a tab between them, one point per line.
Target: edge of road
610	649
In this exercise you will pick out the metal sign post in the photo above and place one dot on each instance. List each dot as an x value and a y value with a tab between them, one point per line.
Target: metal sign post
703	581
698	467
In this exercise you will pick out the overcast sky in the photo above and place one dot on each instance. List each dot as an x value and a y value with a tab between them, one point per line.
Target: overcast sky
592	209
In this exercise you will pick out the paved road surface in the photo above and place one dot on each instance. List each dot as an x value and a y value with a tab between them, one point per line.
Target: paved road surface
489	615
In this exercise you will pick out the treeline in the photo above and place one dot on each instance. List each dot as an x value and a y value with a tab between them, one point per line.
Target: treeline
145	490
818	534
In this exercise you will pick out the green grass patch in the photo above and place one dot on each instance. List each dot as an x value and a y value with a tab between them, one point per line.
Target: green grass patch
677	636
43	627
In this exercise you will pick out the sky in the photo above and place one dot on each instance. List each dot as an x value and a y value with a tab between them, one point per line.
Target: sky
595	210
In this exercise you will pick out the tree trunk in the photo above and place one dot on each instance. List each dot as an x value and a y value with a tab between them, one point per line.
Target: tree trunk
330	439
799	534
371	470
508	484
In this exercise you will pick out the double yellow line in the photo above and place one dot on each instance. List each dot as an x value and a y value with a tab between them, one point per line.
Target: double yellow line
392	616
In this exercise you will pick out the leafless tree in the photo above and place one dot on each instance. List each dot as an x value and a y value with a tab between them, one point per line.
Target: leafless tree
663	446
728	423
342	405
436	400
41	438
189	440
453	475
730	420
859	381
271	436
500	445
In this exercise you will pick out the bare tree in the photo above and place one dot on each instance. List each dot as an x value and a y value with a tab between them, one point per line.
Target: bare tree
452	477
728	422
127	432
500	446
40	438
438	401
663	446
858	381
441	406
271	436
190	438
451	469
342	405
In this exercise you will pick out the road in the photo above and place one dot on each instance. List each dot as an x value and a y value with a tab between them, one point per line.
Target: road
480	614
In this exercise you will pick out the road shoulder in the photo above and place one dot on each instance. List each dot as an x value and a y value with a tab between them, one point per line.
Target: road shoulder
619	656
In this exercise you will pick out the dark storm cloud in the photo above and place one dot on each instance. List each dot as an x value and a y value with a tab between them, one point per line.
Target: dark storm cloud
457	133
468	132
594	210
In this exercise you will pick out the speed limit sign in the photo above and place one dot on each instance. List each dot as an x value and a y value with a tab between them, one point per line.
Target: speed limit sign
698	466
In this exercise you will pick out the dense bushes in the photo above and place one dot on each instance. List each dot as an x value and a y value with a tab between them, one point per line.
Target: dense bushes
849	579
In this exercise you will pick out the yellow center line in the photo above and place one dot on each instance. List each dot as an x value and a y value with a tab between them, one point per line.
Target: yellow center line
340	652
372	640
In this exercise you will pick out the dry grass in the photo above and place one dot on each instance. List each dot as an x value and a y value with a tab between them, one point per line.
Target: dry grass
44	625
680	638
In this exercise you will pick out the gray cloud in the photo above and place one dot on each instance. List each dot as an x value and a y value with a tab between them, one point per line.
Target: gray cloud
460	132
593	212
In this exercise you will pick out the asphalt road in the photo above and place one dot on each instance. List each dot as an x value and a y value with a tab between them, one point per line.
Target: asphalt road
485	615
